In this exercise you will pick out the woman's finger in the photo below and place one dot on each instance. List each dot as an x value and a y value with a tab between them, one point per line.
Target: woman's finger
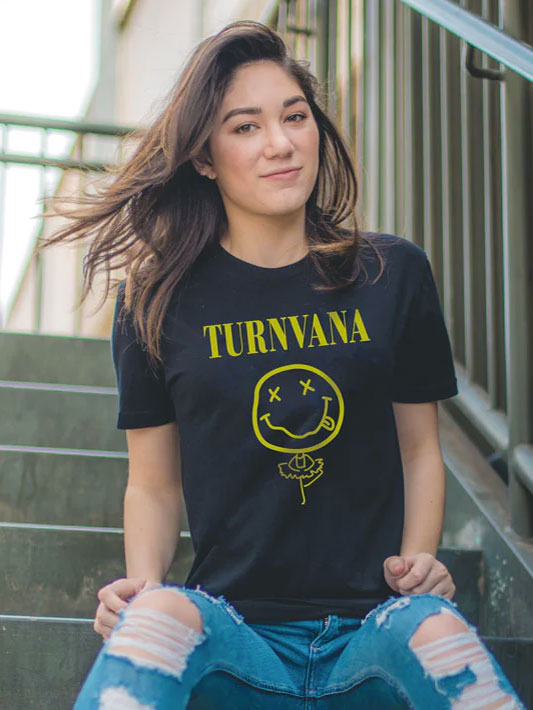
101	628
105	620
112	601
417	575
114	595
108	618
446	589
437	575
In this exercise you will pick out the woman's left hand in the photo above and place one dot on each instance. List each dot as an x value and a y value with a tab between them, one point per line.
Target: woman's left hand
418	574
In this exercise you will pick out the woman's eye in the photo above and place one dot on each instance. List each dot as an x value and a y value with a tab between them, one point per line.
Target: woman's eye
244	125
300	116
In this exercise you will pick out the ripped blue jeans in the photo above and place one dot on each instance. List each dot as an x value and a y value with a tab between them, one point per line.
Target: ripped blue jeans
152	661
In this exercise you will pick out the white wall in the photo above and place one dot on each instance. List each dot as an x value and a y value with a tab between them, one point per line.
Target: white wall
155	43
152	48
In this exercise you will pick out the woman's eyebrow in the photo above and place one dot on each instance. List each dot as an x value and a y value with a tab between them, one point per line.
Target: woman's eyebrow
254	110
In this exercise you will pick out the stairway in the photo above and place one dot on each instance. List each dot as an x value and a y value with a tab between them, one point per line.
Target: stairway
63	470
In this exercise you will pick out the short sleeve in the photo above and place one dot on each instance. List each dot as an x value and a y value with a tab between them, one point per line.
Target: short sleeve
142	394
424	369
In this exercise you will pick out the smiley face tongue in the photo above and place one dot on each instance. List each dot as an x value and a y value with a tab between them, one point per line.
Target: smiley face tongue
328	423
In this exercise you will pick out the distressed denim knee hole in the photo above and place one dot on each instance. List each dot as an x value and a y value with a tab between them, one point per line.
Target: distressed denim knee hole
460	666
153	639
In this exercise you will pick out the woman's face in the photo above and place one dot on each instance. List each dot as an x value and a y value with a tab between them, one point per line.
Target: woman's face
264	125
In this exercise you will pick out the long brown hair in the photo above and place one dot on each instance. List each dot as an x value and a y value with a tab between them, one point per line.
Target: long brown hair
158	214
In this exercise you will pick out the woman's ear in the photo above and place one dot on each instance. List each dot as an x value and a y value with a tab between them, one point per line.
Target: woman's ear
203	165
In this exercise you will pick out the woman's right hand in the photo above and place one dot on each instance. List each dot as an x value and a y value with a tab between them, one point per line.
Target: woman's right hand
113	597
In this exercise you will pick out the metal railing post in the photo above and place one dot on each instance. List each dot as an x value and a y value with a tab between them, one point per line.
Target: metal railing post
3	181
516	195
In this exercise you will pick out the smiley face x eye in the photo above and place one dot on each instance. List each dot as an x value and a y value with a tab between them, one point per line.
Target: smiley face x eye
306	386
274	394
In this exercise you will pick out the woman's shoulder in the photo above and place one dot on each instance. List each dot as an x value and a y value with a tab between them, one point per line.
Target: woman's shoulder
397	246
401	256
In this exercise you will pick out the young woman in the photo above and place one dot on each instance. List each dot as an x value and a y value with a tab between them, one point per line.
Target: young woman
280	369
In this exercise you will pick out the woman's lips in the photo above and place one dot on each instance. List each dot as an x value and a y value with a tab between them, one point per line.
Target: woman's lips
289	175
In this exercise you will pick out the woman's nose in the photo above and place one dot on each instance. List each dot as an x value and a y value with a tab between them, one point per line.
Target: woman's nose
277	142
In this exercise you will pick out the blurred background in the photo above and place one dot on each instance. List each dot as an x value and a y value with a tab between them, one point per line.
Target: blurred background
434	98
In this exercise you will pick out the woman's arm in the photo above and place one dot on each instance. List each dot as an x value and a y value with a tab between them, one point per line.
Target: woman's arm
152	518
416	571
424	476
153	501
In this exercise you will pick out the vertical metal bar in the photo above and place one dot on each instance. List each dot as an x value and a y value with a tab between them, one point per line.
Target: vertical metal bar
400	227
340	66
408	162
350	128
516	184
80	248
372	111
477	212
469	317
292	20
497	241
309	25
301	21
437	246
492	292
430	166
332	58
312	23
452	192
3	185
447	292
38	257
387	116
471	183
413	120
343	73
359	29
282	19
427	236
322	28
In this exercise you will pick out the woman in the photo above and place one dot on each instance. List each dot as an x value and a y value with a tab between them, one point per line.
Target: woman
281	370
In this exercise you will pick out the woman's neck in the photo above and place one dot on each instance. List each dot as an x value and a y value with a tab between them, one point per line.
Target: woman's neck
266	244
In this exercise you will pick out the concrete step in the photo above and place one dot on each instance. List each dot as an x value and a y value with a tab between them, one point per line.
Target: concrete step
57	570
56	359
43	661
466	568
63	416
62	486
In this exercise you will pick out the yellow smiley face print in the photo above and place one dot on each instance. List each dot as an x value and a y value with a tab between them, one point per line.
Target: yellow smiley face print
296	408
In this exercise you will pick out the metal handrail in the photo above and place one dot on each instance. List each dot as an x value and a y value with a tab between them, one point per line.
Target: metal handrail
74	160
515	54
62	163
13	119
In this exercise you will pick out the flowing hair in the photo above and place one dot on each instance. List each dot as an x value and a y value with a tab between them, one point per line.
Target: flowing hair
158	214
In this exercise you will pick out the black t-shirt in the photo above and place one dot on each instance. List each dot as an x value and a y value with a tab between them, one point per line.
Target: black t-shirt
291	466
